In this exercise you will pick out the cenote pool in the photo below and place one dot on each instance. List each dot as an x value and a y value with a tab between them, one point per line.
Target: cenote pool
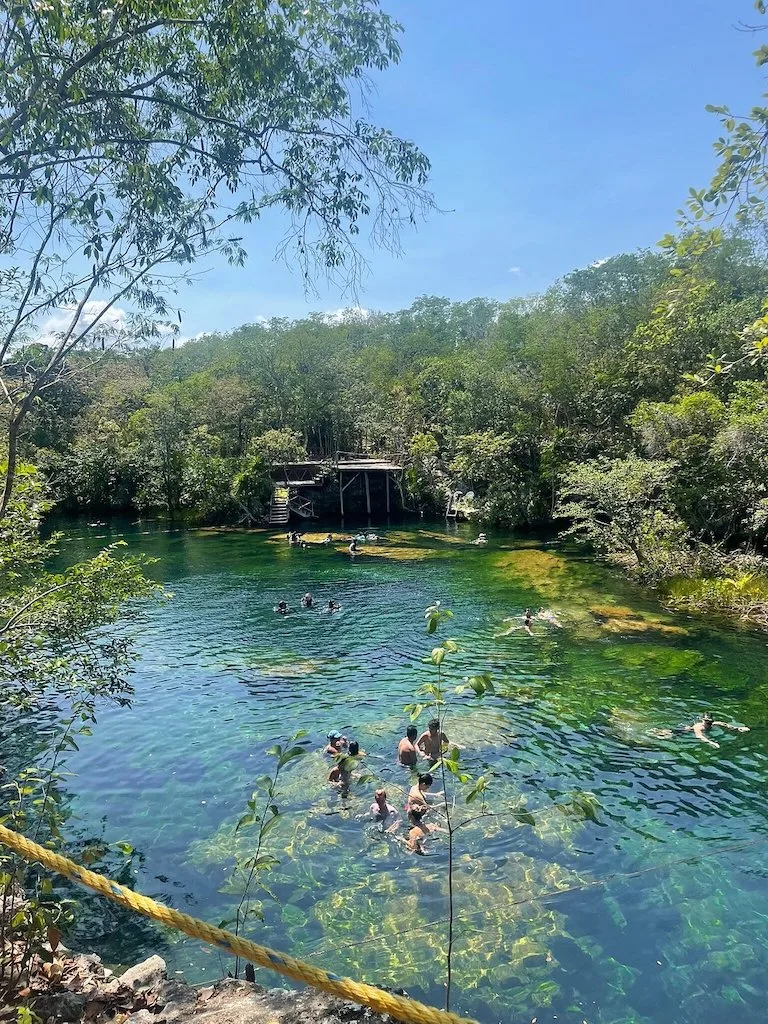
639	894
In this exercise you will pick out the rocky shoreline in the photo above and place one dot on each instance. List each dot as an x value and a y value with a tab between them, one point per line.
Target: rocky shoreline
83	991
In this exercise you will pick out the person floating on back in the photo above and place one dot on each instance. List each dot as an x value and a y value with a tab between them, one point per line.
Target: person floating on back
407	751
432	741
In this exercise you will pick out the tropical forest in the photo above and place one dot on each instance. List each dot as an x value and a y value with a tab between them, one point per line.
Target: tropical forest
382	634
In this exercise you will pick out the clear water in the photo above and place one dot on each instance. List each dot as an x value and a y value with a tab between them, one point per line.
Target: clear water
653	912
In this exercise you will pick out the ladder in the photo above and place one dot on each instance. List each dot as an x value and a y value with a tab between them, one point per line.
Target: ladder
279	513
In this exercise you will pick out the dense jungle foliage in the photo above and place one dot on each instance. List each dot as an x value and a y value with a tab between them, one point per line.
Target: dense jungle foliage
629	402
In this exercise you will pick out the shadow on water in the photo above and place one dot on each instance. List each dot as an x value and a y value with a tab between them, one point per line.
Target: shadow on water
631	897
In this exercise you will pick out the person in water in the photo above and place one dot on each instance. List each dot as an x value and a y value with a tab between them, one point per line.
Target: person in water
420	831
385	814
282	608
352	549
480	539
334	606
407	751
702	728
547	615
417	795
328	538
354	749
340	775
528	622
307	601
432	742
336	743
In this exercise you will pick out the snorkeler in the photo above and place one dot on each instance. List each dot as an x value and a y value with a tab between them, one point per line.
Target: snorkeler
432	741
407	751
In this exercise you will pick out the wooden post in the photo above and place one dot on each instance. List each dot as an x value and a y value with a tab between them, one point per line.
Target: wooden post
341	496
368	498
386	476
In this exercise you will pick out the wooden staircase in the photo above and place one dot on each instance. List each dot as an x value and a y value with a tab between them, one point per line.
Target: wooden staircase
279	513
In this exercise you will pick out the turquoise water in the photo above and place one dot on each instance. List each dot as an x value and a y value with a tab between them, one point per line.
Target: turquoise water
638	894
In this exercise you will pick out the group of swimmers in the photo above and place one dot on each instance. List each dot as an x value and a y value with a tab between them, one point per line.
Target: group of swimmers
307	601
412	746
299	540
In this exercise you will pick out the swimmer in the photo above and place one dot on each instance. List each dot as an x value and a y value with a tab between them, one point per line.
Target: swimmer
701	729
354	749
307	601
281	608
333	606
420	831
432	742
547	615
328	538
384	813
528	622
336	743
407	751
480	539
352	549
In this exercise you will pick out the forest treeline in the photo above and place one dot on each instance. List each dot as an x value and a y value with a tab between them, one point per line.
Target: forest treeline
629	402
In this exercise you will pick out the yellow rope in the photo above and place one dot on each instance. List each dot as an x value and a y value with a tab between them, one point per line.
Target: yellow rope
400	1007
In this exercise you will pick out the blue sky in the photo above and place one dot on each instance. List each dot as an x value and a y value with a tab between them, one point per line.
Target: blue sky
558	133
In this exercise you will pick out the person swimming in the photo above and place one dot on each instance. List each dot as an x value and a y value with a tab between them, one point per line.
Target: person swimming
702	728
333	606
480	539
307	601
528	621
547	615
328	538
281	608
352	549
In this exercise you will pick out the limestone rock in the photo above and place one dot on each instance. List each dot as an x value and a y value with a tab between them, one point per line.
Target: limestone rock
148	974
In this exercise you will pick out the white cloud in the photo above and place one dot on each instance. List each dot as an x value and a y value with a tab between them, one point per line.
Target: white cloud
515	270
347	315
113	322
